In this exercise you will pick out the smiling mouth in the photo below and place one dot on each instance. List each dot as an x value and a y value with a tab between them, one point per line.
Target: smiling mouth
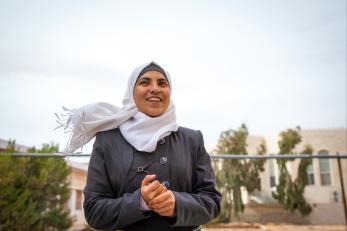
154	99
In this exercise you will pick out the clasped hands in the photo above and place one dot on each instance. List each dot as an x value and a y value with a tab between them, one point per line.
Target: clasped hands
158	197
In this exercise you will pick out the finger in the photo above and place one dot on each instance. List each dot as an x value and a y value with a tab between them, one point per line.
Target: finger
161	210
147	179
153	186
158	191
166	208
167	211
161	205
166	199
160	198
147	187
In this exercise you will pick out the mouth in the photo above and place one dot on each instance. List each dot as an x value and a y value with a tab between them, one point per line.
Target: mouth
154	99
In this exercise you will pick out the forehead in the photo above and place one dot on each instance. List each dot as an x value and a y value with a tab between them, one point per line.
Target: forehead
152	75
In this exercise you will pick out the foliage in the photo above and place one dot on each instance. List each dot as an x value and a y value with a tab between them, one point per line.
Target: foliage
33	191
289	193
233	174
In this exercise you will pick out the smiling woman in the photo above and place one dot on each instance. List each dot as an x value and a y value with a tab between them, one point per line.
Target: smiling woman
152	93
145	172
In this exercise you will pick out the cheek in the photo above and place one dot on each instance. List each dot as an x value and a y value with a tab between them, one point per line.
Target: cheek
138	96
168	95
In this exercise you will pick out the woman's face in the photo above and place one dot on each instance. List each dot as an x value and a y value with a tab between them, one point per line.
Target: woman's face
152	93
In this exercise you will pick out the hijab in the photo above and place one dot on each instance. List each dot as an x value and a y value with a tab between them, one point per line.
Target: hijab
141	131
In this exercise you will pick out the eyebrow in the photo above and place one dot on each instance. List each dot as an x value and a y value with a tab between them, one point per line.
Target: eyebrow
148	78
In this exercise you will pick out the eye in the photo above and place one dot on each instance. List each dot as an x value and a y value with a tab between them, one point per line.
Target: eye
143	82
163	83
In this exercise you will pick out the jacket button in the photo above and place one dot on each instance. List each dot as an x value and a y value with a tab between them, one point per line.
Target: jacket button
166	184
163	160
162	141
140	168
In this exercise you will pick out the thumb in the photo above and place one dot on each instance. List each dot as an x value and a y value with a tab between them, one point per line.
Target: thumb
147	179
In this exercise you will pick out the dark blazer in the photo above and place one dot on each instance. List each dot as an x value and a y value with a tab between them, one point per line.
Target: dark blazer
116	169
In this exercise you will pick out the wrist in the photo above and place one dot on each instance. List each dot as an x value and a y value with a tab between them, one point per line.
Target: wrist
143	204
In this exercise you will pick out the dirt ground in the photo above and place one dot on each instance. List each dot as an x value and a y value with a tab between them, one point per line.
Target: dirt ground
306	228
279	228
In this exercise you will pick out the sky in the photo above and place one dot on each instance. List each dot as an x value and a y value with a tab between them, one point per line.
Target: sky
271	64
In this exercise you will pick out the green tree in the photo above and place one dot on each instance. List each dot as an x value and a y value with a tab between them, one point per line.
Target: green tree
233	174
33	191
290	193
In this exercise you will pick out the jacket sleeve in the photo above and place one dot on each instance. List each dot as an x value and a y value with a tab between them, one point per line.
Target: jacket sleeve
203	203
101	207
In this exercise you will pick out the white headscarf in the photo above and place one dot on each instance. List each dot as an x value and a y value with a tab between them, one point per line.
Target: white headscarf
141	131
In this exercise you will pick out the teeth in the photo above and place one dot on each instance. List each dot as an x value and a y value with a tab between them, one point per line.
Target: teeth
154	99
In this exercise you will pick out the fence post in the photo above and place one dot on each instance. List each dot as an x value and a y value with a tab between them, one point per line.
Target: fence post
342	188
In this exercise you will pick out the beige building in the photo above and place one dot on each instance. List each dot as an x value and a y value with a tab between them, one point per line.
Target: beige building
324	189
77	179
19	147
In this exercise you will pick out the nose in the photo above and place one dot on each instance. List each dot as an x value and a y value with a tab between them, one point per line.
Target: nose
155	88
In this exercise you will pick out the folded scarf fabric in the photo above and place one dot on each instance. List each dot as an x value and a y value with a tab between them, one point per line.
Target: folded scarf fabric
141	131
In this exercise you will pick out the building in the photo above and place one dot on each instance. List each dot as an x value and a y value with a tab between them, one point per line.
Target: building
19	147
77	179
324	189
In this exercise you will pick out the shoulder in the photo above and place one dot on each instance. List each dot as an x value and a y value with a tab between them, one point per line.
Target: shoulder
188	131
109	136
107	133
192	135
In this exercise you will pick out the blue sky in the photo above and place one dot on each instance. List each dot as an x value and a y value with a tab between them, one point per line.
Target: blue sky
269	64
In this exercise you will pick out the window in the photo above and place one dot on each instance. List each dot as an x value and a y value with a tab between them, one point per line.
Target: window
259	184
324	169
272	173
335	197
310	175
78	199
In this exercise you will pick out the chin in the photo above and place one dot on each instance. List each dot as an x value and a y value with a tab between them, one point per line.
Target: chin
154	114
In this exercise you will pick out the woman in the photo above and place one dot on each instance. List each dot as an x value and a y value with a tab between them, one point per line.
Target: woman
145	172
